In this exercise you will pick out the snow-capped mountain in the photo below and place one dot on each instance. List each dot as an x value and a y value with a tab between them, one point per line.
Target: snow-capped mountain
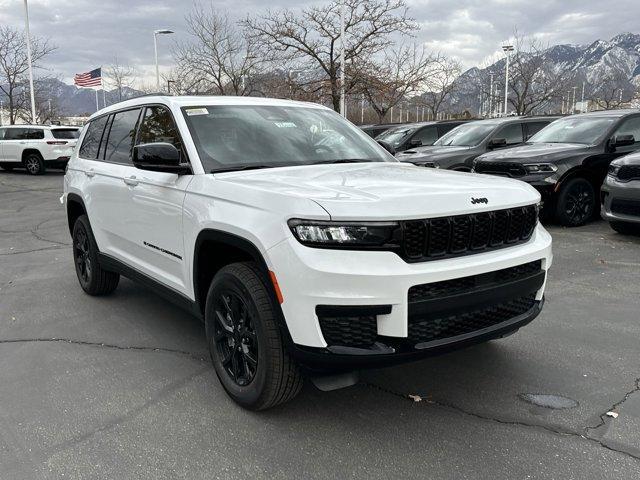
595	64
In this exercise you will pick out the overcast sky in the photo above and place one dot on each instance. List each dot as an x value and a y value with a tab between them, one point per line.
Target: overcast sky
90	33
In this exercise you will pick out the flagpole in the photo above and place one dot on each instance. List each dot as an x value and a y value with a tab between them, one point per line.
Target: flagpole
28	42
97	106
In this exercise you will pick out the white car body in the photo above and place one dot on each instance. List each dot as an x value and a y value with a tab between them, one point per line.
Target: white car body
53	150
151	221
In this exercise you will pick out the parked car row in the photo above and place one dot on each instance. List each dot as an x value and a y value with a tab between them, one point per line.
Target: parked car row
566	159
36	147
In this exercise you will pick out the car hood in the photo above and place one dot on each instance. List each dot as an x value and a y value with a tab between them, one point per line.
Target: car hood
536	152
631	159
386	190
431	152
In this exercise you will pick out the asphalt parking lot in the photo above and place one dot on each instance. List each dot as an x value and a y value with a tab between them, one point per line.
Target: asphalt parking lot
121	387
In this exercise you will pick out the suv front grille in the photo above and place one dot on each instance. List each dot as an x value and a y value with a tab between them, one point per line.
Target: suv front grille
469	321
442	237
514	170
629	172
625	207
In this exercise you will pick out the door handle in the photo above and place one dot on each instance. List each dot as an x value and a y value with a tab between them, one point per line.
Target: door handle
131	181
90	173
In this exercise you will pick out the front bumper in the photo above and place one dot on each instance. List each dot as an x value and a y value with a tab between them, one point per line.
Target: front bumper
615	191
310	277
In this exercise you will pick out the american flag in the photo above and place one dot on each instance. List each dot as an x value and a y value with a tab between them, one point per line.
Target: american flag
89	79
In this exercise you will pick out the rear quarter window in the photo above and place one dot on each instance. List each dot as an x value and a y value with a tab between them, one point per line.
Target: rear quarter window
91	141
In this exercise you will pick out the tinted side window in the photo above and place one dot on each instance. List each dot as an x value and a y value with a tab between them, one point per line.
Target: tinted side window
121	134
630	126
158	126
36	134
511	133
534	127
2	130
65	133
17	134
91	141
426	135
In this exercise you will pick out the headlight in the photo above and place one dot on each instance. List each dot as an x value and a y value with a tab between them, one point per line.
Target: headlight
613	170
540	168
344	234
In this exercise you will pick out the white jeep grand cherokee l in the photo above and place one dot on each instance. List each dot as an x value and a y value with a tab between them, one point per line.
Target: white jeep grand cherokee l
299	241
36	147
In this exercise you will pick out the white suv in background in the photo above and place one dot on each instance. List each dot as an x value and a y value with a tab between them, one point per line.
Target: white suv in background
36	147
300	242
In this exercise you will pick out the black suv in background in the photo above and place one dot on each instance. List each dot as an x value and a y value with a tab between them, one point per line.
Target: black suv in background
568	160
412	135
457	149
374	130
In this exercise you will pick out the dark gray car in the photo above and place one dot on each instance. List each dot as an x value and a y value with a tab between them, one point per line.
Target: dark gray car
567	161
457	149
620	194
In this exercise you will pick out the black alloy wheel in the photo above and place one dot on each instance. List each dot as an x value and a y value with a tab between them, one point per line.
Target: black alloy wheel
235	337
576	203
34	164
81	256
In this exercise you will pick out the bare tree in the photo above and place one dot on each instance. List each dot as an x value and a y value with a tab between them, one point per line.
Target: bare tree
221	58
613	91
121	76
533	82
400	73
441	84
14	64
312	38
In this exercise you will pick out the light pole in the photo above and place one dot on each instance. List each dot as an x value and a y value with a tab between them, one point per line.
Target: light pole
506	49
491	95
155	50
28	41
582	99
343	111
573	105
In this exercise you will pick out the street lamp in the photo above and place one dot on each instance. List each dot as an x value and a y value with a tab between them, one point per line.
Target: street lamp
28	42
155	49
506	49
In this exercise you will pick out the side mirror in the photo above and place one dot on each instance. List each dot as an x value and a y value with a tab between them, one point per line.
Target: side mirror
158	157
622	140
387	146
497	143
415	142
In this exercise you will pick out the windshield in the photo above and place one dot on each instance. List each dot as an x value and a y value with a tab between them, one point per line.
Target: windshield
466	135
587	130
395	136
232	137
65	133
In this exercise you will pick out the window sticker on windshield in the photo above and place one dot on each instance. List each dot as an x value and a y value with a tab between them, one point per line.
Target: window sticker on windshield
285	125
196	111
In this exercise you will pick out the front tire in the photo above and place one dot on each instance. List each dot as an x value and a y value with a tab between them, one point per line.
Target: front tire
34	164
93	279
245	343
576	203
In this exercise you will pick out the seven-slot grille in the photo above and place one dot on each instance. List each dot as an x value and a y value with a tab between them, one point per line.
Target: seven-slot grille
504	169
626	207
435	238
629	172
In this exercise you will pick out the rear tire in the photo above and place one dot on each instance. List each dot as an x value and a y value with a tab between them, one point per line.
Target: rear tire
93	279
34	164
625	228
245	343
576	203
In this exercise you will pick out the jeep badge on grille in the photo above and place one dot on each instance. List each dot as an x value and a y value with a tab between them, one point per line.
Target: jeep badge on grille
475	200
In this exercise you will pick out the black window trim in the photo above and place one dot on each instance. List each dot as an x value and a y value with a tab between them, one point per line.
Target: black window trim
183	150
142	107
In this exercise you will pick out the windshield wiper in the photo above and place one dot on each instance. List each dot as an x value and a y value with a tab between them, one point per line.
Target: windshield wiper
344	160
238	168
